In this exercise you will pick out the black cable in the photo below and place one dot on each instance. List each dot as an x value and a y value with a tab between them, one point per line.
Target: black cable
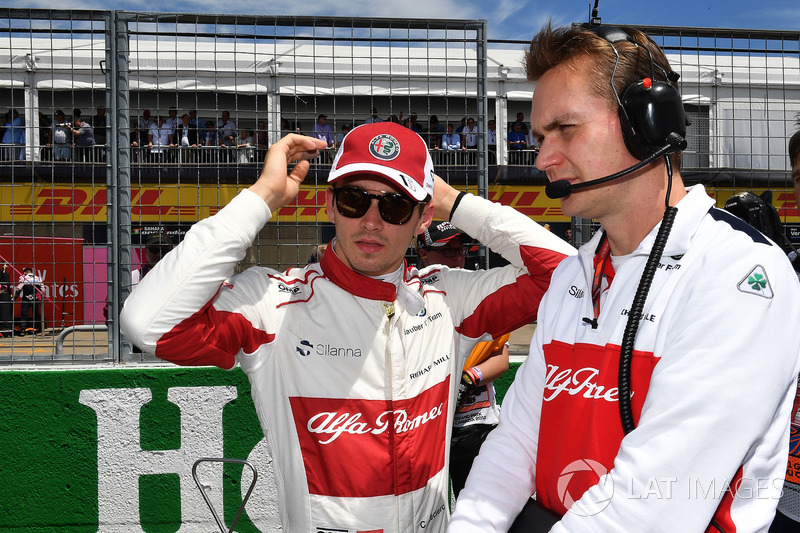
595	20
637	305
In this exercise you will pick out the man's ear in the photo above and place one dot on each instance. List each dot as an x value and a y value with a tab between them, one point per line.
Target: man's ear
423	255
426	218
330	209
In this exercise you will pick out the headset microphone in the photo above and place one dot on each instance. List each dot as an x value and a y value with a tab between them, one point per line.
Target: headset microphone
563	188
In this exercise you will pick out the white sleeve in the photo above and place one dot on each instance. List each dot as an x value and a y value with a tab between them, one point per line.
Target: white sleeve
189	276
499	300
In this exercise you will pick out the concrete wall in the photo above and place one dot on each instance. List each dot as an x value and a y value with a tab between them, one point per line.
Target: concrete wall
111	449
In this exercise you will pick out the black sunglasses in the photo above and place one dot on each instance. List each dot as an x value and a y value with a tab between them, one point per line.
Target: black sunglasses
394	208
450	251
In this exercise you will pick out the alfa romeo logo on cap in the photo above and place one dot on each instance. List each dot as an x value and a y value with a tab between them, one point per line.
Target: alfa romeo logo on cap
384	147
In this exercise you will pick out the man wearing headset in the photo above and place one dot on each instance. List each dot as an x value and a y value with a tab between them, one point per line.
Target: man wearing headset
676	419
354	361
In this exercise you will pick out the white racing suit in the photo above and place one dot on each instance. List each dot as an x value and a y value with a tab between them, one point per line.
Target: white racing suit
713	381
353	379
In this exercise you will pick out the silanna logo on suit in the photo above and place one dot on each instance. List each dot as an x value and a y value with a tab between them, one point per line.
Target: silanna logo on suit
306	348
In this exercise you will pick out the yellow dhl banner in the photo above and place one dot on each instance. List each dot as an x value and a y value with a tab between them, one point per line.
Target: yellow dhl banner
189	203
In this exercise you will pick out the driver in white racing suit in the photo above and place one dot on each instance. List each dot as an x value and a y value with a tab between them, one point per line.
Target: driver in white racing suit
355	361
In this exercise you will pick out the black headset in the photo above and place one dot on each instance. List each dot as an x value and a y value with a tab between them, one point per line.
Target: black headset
651	112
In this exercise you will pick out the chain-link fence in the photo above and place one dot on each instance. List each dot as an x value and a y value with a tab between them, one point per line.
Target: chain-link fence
123	129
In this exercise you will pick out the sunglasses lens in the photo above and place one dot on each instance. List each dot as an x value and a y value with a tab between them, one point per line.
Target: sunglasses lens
352	203
451	252
395	208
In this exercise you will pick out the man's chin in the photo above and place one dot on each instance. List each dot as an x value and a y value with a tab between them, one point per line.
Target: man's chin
573	207
374	266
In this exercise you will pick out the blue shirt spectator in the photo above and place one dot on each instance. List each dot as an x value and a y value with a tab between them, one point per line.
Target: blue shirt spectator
323	130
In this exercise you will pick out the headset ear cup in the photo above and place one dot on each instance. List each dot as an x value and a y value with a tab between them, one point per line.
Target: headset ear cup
633	141
654	113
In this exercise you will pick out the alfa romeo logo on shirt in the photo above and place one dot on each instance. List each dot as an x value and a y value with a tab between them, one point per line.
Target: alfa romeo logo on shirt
384	147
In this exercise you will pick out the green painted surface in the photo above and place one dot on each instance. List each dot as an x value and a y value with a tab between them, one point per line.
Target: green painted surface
49	442
48	471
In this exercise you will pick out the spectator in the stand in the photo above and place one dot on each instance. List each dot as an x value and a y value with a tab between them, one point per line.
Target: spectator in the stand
517	139
12	138
521	121
210	142
61	138
99	125
44	137
373	117
469	135
142	129
227	134
413	124
187	132
209	136
159	139
83	134
196	121
323	130
76	113
346	127
491	141
187	139
435	132
172	123
451	140
245	146
261	140
461	126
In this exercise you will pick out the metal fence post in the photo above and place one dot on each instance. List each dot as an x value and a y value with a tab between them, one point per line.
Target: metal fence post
119	183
